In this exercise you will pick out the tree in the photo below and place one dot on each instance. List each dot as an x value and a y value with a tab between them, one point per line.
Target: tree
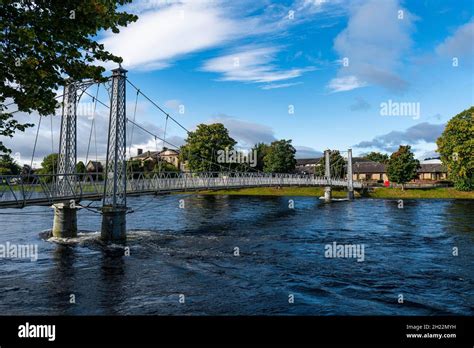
456	147
377	157
8	166
402	166
81	169
337	165
280	157
42	42
164	166
261	150
134	167
202	146
49	165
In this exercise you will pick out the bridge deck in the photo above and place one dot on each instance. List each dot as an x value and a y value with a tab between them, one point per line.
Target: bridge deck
18	191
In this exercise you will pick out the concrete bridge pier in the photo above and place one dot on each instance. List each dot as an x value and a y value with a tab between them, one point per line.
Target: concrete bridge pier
327	174
114	227
327	194
350	182
65	220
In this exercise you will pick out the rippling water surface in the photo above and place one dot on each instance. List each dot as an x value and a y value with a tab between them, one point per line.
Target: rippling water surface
190	251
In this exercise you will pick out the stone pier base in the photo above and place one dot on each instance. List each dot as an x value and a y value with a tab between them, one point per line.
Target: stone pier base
350	194
327	194
114	228
65	221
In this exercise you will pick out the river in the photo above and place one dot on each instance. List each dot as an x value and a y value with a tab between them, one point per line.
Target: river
247	255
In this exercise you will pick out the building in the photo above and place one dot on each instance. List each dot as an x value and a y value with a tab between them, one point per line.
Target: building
364	170
170	156
369	170
150	158
306	165
94	167
432	171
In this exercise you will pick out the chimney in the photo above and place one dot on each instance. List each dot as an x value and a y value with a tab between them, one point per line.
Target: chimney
139	152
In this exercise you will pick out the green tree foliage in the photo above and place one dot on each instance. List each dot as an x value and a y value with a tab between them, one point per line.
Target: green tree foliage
81	169
8	166
49	164
456	146
44	41
280	157
135	167
202	146
164	166
402	166
337	165
262	150
377	157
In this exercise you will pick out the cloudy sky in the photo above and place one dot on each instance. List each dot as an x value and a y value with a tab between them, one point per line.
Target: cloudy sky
314	71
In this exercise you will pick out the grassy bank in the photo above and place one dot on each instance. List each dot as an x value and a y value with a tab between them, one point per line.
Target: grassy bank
434	193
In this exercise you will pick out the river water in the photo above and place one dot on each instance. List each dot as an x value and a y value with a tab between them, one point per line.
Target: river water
186	261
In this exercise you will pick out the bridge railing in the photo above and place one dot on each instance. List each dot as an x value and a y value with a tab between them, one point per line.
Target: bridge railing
20	190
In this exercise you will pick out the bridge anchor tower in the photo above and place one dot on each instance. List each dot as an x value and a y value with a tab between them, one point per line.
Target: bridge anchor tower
114	206
65	219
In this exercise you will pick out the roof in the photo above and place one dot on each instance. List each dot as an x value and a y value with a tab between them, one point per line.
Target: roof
145	154
154	154
169	150
432	168
368	167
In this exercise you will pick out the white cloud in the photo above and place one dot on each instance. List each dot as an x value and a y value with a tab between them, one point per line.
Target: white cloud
253	65
307	152
167	32
460	44
346	83
375	42
280	85
170	30
245	133
173	104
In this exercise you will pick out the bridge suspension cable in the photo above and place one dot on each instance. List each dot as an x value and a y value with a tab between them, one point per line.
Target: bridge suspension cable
94	100
133	127
163	139
34	146
180	125
157	106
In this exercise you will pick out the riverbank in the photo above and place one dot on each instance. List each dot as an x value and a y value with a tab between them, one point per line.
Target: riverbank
382	192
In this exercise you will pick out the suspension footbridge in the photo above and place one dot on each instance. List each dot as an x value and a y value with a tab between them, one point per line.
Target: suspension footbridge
67	188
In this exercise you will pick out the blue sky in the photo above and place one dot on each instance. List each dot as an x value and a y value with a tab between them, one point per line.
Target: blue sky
247	63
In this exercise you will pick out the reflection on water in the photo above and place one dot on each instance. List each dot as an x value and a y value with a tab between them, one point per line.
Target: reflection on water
190	252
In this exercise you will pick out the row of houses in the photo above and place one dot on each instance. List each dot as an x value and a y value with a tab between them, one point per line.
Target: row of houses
363	169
